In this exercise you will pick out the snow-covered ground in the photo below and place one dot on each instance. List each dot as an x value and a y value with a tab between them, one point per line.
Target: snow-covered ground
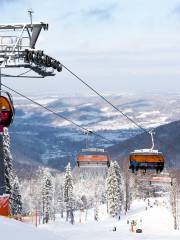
156	223
15	230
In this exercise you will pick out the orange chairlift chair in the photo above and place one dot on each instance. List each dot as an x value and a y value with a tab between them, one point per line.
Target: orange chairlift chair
146	159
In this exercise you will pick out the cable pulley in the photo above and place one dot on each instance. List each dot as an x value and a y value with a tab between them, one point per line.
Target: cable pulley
38	57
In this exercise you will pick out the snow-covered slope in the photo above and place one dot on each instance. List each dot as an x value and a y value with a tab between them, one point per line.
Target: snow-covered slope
15	230
156	223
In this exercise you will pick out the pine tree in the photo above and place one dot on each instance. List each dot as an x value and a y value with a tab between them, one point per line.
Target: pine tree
174	202
7	162
127	193
129	187
96	207
60	201
120	185
8	167
68	194
112	191
16	202
47	196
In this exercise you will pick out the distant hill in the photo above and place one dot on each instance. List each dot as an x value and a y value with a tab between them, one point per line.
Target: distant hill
167	140
39	138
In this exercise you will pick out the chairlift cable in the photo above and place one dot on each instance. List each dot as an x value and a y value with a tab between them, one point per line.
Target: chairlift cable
106	100
57	114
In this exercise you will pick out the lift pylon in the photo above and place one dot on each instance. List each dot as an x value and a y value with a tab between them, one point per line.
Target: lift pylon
17	50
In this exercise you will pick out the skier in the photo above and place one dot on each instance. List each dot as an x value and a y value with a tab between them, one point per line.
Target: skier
114	229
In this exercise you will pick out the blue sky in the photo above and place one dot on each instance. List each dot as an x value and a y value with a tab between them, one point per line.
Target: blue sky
116	46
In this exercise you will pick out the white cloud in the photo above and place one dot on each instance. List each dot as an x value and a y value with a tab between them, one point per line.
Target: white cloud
114	45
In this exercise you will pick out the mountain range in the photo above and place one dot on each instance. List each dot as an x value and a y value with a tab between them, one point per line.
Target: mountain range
39	138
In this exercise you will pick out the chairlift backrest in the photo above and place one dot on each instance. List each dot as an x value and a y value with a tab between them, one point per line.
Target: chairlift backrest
93	157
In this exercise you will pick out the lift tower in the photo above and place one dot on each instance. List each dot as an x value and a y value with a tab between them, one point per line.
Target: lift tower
18	50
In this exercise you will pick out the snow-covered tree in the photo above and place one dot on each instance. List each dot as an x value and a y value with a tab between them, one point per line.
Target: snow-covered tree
129	186
84	201
128	197
113	194
60	201
96	205
16	202
8	167
68	194
47	196
174	202
120	184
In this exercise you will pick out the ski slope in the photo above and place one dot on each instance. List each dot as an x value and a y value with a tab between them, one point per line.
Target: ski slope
156	223
14	230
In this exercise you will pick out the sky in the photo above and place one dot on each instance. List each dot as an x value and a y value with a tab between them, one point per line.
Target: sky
115	45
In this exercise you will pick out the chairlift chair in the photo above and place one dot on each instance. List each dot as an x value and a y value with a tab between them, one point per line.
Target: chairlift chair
7	111
146	159
93	157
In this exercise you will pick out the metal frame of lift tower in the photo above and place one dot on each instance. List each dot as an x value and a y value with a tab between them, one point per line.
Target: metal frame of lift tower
15	39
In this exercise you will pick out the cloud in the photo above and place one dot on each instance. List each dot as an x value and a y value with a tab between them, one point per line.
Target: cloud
176	10
102	13
8	1
66	15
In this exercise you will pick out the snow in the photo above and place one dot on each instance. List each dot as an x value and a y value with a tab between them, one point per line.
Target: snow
60	123
47	100
86	104
145	114
99	116
11	229
108	111
112	125
157	224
